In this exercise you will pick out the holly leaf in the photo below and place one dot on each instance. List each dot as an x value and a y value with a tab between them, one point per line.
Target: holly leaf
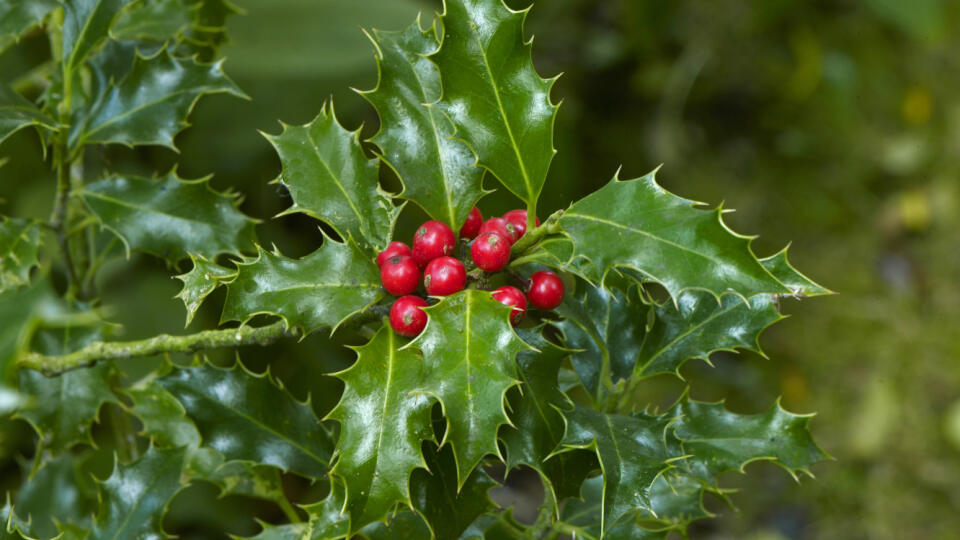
13	528
631	452
330	178
405	525
249	417
19	244
163	417
698	326
469	351
85	24
605	327
801	285
491	92
382	424
156	20
234	477
437	171
58	492
170	217
585	515
716	440
134	498
150	104
16	113
326	521
321	289
200	281
638	225
449	506
677	501
18	16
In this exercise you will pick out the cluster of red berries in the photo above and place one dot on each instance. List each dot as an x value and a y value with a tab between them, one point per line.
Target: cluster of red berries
434	242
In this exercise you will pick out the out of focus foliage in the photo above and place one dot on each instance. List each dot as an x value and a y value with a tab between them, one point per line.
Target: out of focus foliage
836	124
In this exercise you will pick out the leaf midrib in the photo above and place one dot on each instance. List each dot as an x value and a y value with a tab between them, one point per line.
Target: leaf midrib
336	179
136	505
686	333
120	202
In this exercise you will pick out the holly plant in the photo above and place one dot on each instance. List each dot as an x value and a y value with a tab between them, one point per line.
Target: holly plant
488	342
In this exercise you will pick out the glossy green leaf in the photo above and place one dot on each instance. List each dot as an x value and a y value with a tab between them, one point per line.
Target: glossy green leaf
638	225
437	171
500	106
17	113
677	501
448	502
585	515
151	103
18	16
326	522
698	326
249	417
469	350
85	24
330	178
58	492
320	289
606	328
134	498
200	281
163	417
405	525
234	477
19	244
170	217
14	528
631	452
382	424
157	20
799	284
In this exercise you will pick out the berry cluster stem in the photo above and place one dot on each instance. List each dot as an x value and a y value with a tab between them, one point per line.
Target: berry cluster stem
535	234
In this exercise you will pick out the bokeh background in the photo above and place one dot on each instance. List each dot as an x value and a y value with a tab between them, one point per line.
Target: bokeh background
834	125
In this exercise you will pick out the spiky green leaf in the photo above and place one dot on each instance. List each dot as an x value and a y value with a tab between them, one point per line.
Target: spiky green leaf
19	244
447	502
585	515
18	16
163	417
156	20
382	424
85	24
499	104
16	113
170	217
799	284
405	525
469	350
234	477
437	171
331	179
200	281
320	289
58	492
326	522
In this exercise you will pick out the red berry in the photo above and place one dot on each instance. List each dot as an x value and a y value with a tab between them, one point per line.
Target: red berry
546	290
472	225
400	275
511	296
490	251
395	249
444	276
406	317
518	218
502	227
433	239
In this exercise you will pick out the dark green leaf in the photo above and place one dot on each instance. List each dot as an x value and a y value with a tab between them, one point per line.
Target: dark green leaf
248	417
801	285
325	523
330	178
85	24
492	93
13	528
170	217
151	103
19	243
17	113
18	16
235	477
698	325
382	424
638	225
447	509
163	417
58	492
157	20
134	499
200	281
469	349
438	172
404	526
585	515
677	500
321	289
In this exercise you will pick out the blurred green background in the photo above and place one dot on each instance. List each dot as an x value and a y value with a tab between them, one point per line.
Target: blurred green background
831	124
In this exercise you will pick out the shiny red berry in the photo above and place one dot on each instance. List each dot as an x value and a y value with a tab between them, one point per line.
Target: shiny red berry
518	218
502	227
433	239
395	249
444	276
406	317
511	296
546	290
471	227
400	275
490	251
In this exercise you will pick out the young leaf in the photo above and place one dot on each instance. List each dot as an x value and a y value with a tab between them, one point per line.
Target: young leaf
449	506
156	20
16	113
200	281
438	172
85	24
330	178
632	455
170	217
382	424
321	289
801	285
248	417
18	16
639	225
492	93
58	492
468	350
134	498
151	103
698	326
19	243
